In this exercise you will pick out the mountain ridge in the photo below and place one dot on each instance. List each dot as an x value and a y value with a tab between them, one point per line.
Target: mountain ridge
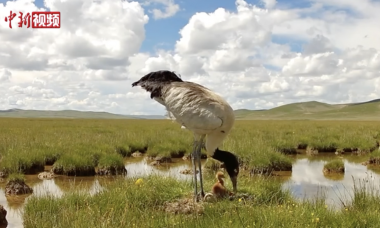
368	110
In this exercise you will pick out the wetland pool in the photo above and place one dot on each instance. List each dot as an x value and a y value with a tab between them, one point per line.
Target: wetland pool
306	181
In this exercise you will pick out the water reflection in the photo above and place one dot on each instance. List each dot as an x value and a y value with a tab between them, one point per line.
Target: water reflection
308	181
138	167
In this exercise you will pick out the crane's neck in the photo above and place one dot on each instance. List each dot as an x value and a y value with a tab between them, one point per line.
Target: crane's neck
221	181
231	164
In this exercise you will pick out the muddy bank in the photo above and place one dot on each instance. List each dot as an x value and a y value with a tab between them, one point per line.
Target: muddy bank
17	187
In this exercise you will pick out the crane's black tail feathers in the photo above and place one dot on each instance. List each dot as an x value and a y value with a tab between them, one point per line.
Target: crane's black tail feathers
154	81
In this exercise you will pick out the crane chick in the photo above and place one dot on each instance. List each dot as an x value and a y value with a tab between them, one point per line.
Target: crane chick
218	190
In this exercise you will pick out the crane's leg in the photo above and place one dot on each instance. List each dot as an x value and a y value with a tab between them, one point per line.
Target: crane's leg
193	158
199	153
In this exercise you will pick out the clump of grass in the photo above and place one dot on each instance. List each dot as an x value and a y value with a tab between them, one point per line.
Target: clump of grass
51	158
124	151
111	164
24	163
374	159
334	166
264	160
166	149
16	177
74	165
139	145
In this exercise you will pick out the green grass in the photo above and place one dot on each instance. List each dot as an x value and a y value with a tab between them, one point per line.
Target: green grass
111	164
16	177
375	158
74	164
125	204
27	144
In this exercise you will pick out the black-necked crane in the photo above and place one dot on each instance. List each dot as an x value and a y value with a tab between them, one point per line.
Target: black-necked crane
201	111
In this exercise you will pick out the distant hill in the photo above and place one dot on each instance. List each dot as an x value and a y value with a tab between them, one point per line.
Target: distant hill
369	110
73	114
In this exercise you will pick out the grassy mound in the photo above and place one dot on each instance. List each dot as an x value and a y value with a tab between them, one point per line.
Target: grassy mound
334	166
374	158
124	151
16	185
111	164
264	160
23	162
74	165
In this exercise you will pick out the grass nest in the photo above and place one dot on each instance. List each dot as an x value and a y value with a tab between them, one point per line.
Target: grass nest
185	206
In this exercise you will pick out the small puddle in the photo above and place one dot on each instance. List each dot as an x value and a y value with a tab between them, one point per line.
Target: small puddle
305	182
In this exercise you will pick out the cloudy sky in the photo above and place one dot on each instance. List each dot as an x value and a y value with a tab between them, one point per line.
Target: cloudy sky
257	54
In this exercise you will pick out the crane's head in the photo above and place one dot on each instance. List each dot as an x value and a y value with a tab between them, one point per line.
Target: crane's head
230	163
156	77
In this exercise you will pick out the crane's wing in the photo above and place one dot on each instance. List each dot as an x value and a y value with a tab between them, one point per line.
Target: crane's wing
194	106
202	121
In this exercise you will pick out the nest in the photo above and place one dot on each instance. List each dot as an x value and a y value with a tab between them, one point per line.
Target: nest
183	206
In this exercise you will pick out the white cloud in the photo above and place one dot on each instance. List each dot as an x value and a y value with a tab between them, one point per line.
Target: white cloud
243	54
269	3
169	8
5	75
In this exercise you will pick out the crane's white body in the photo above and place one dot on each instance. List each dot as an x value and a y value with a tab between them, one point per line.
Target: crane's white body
200	110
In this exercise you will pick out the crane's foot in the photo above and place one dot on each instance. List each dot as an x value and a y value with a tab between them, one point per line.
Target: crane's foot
200	196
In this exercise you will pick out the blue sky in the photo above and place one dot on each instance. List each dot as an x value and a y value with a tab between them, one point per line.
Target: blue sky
163	33
165	39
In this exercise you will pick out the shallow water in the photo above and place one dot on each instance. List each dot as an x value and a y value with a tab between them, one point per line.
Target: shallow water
137	167
305	181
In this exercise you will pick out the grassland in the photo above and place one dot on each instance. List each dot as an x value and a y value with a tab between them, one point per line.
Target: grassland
26	145
71	114
80	147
